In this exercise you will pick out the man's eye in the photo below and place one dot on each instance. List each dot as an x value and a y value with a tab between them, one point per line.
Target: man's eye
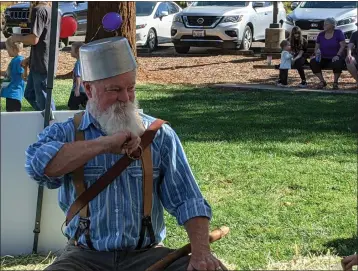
112	89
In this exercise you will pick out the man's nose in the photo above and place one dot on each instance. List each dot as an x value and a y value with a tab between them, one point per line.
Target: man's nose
123	96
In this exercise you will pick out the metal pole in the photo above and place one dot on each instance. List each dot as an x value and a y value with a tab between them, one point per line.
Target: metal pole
275	15
50	79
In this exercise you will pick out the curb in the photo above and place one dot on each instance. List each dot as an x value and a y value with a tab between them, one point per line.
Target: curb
259	87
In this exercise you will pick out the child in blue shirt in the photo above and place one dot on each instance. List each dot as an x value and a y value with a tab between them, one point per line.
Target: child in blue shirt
14	91
78	95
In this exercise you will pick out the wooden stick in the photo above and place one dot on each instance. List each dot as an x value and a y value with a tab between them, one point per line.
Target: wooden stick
185	250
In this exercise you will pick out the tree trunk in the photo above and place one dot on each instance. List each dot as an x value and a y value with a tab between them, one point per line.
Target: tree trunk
96	12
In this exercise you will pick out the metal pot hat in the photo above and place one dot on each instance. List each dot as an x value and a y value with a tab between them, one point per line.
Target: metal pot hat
106	58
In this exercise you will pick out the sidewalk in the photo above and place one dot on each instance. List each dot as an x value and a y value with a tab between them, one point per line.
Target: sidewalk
260	87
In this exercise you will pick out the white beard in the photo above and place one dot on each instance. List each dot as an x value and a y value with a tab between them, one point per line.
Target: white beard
120	117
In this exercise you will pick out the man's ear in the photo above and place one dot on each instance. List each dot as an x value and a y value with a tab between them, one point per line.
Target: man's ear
87	89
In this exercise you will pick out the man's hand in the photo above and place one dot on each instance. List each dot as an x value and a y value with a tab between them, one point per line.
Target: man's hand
349	58
349	262
336	58
77	92
120	142
205	261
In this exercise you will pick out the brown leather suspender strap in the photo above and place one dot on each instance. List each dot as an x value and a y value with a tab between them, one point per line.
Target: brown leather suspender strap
79	183
78	174
107	178
147	168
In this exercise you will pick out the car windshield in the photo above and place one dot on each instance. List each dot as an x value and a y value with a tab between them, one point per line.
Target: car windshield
328	4
144	8
220	3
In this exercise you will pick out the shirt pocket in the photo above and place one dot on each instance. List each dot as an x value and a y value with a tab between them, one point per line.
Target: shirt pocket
135	186
92	174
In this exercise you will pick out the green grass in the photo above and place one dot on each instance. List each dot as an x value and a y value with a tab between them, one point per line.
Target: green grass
278	168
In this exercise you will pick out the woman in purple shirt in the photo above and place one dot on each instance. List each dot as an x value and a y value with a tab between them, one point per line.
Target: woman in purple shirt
330	46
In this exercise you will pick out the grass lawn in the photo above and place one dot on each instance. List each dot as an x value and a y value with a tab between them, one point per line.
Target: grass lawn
278	168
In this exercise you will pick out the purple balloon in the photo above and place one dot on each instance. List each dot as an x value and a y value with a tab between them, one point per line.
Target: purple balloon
111	21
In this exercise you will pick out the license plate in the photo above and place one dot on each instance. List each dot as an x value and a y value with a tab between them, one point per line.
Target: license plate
198	33
312	37
23	25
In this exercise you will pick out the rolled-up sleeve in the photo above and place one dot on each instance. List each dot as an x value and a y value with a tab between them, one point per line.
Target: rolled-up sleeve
39	154
180	193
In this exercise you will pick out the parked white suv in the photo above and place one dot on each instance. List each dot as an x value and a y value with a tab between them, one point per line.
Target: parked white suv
224	24
153	22
310	16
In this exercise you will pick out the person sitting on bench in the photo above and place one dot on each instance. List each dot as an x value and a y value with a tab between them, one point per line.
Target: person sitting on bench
298	48
352	53
135	160
330	45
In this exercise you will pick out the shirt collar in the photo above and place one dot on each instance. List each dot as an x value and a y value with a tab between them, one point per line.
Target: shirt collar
87	120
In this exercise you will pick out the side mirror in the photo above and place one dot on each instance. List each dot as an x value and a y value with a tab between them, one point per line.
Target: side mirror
258	4
163	14
294	5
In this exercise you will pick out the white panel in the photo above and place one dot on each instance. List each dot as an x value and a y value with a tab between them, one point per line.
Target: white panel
19	192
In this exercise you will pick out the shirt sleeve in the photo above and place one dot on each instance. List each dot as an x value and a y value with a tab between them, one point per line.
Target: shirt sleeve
38	22
19	68
287	55
39	154
318	40
77	69
340	36
180	193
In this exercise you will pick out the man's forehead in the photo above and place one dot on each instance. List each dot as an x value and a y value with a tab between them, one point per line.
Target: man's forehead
119	80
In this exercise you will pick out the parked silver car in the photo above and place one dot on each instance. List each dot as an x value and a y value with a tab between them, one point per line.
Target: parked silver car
310	16
223	24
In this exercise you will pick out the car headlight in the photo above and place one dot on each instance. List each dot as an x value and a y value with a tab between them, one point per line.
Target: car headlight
178	19
348	20
7	12
289	20
140	26
232	19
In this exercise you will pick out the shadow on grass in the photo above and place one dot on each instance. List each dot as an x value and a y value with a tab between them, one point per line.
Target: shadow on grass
204	114
343	247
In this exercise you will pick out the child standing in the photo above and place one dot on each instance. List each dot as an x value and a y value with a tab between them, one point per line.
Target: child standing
286	62
78	95
14	91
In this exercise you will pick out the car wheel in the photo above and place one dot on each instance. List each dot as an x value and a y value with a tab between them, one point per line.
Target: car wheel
246	39
182	50
65	41
152	41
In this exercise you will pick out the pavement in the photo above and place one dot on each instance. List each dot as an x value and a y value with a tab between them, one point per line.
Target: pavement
167	49
261	87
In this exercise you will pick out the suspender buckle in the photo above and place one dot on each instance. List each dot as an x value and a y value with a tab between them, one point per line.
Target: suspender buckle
83	224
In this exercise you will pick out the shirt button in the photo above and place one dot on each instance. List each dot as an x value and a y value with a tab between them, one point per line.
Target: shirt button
117	233
115	187
116	210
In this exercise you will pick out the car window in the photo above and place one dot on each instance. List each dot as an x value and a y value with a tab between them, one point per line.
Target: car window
268	4
144	8
161	7
328	4
173	8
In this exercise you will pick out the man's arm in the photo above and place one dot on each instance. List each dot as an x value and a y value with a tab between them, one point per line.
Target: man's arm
198	233
30	39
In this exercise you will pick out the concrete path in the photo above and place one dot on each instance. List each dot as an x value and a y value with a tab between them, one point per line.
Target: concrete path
259	87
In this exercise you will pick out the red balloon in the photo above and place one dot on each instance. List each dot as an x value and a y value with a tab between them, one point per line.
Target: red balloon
68	27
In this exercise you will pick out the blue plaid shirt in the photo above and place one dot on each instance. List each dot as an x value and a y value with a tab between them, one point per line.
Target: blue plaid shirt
117	211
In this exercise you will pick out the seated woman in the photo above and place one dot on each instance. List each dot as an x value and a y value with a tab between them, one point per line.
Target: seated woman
299	48
330	45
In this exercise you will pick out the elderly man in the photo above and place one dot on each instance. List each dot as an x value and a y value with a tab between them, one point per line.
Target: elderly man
112	236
